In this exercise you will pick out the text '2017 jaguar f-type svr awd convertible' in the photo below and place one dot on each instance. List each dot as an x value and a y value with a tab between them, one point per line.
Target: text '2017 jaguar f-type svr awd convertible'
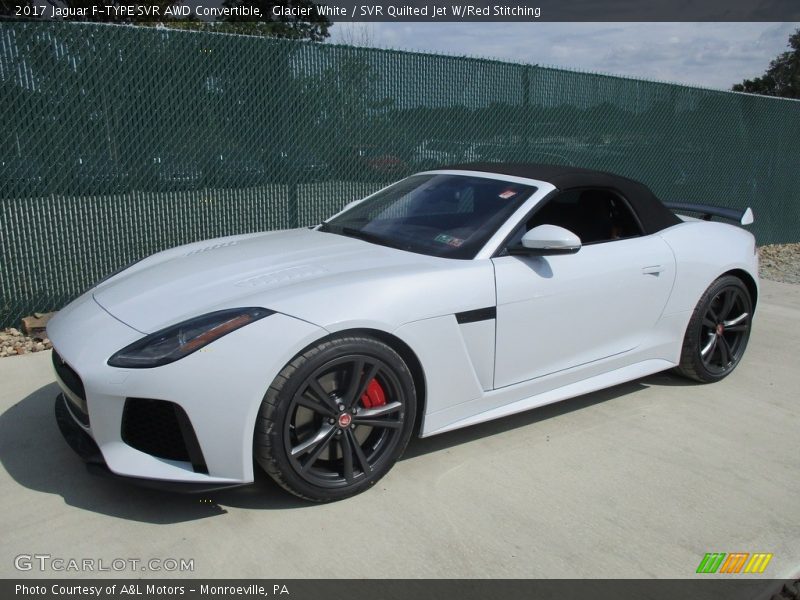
449	298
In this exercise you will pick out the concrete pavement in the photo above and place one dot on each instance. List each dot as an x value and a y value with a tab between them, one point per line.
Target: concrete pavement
637	481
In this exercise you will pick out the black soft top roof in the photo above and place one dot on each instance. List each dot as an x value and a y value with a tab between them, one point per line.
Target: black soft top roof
652	213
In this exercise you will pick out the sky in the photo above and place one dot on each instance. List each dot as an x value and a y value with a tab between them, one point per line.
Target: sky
713	55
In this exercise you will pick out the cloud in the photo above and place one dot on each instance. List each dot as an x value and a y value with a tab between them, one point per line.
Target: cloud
713	55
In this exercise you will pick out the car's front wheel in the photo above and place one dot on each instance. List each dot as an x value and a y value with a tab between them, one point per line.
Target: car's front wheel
718	331
336	418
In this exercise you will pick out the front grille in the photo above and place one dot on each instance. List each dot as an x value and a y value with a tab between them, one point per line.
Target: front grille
75	393
161	429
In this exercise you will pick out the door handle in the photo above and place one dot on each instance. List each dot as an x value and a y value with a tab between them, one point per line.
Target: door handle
652	270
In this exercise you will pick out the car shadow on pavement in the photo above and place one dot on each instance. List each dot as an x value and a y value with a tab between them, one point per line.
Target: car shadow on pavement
668	379
36	456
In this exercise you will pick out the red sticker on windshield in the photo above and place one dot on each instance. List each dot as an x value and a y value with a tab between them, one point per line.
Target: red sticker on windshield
507	194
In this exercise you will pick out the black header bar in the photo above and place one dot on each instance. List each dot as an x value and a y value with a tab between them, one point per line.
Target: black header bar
700	587
123	11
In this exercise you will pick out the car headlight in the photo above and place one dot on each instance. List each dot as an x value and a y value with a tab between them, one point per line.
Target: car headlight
177	341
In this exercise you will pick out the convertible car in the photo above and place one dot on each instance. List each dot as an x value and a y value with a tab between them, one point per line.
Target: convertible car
449	298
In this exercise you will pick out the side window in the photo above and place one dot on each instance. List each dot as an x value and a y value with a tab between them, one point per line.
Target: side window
594	215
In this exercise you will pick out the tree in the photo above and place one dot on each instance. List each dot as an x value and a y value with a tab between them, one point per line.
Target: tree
782	77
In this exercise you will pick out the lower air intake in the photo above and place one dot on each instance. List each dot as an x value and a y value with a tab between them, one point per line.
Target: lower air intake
162	429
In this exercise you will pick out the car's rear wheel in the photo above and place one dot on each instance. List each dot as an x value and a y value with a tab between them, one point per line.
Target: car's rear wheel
336	418
718	331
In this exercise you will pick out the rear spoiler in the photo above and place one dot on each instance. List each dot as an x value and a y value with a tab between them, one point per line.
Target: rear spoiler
743	217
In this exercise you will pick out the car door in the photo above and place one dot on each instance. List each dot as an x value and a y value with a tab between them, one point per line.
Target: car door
559	311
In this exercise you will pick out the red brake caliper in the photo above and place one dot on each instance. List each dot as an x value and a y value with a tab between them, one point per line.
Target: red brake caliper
374	396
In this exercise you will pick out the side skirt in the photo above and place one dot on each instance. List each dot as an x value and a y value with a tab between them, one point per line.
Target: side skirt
451	418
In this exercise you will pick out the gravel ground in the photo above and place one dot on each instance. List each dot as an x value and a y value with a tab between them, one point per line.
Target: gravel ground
13	342
779	262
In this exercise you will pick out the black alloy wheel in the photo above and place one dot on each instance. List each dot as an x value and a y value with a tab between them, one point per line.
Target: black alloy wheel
718	331
336	419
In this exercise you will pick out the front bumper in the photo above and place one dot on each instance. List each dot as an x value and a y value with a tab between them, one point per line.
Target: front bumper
85	447
209	400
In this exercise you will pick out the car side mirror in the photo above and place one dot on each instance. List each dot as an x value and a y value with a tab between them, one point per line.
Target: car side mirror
548	239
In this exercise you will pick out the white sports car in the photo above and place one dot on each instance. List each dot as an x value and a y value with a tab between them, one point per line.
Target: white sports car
449	298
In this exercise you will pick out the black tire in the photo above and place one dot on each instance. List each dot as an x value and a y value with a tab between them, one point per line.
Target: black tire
718	331
325	435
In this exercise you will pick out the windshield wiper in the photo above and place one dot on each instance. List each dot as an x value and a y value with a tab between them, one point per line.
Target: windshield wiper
361	235
369	237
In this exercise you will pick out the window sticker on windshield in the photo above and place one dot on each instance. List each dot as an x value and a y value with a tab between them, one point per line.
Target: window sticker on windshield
449	240
508	194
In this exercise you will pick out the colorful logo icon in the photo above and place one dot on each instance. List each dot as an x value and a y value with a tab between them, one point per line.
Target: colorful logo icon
735	562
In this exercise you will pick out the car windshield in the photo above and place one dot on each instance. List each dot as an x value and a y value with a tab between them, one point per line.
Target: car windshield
451	216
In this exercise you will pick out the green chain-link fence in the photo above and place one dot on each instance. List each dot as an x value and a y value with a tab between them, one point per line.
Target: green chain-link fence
117	142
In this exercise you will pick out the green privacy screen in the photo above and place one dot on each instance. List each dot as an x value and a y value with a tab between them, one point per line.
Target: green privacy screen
117	142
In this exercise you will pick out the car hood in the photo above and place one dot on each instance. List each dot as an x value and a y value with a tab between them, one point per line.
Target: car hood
319	277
